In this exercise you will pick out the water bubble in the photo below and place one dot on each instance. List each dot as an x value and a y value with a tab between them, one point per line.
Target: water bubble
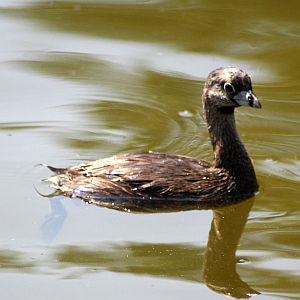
185	113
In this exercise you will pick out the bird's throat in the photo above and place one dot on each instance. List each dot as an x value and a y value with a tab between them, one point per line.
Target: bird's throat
229	150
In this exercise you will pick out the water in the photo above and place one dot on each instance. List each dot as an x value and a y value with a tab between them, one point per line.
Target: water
87	80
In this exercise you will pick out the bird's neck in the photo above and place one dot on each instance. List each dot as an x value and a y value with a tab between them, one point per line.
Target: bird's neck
229	151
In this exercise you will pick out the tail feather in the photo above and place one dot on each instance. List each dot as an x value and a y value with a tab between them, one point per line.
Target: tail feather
57	171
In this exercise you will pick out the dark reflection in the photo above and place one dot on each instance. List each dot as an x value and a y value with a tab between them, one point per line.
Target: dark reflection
149	205
219	265
219	261
197	26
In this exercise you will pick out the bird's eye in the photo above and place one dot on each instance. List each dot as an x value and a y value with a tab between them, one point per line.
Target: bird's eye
228	87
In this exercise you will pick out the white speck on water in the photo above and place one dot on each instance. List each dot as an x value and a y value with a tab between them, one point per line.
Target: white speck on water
185	113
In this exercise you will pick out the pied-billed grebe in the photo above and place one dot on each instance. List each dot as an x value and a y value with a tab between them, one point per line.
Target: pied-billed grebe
228	179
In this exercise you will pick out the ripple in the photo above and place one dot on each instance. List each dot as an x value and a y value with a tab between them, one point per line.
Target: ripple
289	169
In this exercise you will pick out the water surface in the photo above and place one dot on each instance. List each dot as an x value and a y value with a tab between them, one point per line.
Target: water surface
85	80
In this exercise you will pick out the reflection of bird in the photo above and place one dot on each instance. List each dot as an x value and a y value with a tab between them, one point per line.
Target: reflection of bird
219	262
229	178
54	221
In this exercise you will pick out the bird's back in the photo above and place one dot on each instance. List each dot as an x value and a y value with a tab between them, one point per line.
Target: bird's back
144	175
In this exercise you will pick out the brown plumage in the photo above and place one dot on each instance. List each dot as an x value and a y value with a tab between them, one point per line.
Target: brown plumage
160	178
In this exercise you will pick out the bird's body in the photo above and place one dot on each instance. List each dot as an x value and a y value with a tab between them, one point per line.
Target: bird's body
148	176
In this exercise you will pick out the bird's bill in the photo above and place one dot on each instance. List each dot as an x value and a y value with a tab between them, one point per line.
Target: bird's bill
247	98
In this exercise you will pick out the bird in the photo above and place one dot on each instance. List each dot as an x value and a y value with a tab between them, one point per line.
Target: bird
153	177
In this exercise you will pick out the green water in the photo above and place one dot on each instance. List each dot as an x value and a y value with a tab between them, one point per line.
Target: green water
86	80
